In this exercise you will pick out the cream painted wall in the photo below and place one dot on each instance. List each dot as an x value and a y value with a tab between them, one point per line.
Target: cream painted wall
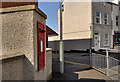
76	20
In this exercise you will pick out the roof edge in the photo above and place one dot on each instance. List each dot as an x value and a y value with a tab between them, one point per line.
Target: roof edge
113	3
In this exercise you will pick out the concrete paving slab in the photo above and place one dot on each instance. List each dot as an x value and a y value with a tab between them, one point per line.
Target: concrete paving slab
92	74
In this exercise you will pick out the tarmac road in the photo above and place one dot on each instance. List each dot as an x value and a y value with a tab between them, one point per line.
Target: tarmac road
74	62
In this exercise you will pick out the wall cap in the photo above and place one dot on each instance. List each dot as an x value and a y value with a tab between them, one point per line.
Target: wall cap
48	49
13	55
23	8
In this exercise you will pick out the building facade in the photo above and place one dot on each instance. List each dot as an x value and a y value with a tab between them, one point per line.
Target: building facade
87	24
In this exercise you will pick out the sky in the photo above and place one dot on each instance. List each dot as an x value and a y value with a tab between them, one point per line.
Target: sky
51	10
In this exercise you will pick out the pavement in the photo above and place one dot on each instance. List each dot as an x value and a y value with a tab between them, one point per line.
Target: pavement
77	68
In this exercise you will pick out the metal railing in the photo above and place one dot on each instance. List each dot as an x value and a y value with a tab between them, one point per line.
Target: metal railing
106	64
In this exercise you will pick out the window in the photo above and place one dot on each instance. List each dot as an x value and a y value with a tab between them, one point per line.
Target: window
106	40
106	19
102	3
117	39
119	5
117	20
98	17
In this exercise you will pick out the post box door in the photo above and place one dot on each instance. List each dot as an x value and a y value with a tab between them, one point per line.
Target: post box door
41	46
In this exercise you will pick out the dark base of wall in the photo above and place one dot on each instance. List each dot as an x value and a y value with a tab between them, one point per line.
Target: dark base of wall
49	77
76	51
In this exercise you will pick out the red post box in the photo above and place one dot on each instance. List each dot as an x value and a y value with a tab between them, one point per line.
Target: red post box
41	45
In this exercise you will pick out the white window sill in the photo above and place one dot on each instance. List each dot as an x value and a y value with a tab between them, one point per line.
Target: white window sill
98	23
107	24
106	45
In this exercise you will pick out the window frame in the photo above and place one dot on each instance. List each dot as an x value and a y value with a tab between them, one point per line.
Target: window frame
106	39
106	19
119	5
117	20
102	3
98	17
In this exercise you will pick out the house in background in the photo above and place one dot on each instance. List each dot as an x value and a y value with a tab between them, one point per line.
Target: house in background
87	24
49	33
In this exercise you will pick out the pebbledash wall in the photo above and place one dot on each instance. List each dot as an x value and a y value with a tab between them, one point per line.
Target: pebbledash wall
19	44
